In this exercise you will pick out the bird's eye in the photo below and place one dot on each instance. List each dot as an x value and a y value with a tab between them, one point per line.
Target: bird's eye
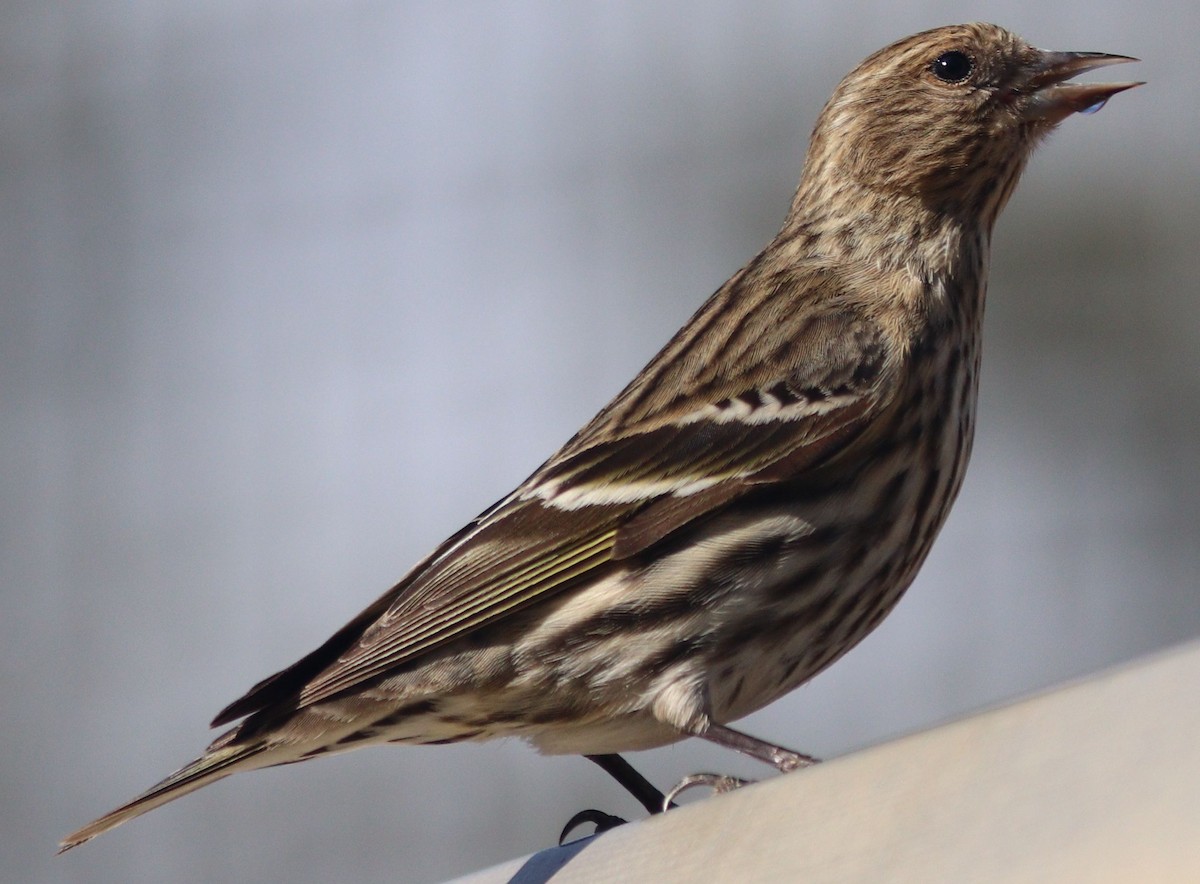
952	67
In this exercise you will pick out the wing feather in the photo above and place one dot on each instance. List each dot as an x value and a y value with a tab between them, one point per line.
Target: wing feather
612	492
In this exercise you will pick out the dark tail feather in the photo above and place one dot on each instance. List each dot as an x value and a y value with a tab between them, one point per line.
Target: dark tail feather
215	764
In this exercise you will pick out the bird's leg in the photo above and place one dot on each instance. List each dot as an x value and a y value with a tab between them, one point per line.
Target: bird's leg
635	784
783	760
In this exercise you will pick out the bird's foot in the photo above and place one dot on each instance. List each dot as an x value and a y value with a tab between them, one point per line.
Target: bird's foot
601	820
719	783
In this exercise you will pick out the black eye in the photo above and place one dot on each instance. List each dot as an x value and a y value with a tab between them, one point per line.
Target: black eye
952	67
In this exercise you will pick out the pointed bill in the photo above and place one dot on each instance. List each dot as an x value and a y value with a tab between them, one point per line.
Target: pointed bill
1054	99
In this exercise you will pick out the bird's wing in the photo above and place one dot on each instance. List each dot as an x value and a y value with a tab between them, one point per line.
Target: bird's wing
608	495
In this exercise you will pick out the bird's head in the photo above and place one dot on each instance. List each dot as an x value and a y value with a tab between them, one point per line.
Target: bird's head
949	116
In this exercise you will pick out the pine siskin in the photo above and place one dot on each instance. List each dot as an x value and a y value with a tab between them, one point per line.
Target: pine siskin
754	502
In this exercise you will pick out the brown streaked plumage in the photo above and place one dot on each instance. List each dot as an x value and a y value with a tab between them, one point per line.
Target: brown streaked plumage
754	502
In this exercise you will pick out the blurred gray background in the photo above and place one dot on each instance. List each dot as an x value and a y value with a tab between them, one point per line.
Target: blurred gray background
290	290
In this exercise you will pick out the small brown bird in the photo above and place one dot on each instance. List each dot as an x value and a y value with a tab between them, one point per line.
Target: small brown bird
754	502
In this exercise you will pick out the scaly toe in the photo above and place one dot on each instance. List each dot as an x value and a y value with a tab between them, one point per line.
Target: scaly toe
787	761
719	783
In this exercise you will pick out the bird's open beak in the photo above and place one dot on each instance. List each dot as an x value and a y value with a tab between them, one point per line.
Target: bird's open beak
1050	98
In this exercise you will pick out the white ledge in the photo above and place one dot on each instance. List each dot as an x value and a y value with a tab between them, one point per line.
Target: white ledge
1095	781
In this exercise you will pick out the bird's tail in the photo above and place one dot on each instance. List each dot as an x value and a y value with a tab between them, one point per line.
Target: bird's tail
216	763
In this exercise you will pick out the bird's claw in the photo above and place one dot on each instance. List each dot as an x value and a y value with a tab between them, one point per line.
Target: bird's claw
601	820
787	761
719	783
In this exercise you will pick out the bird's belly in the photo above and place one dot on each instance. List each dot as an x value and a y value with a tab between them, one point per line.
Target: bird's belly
829	588
750	610
736	613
